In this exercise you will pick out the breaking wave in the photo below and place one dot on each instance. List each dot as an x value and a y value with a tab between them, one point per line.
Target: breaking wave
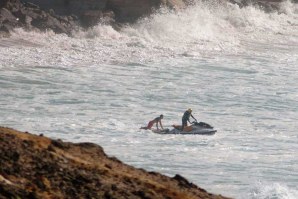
203	29
276	190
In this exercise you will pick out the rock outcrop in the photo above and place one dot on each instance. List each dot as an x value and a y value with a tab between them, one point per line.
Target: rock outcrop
33	166
14	13
62	16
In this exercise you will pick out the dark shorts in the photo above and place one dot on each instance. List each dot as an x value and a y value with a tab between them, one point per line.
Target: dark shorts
184	122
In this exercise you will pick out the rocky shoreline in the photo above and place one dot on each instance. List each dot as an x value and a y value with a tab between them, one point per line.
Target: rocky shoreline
33	166
64	16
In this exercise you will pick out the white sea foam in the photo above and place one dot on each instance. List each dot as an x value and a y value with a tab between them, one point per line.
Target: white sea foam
275	190
236	67
203	29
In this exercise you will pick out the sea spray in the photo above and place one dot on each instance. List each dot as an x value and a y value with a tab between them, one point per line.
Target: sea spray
235	67
275	190
203	29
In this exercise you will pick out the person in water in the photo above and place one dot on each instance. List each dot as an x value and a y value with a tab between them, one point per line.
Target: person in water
152	122
187	114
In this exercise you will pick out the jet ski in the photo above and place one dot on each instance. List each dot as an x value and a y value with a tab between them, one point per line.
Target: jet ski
197	128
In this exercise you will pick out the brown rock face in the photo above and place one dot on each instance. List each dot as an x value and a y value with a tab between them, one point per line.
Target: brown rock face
34	166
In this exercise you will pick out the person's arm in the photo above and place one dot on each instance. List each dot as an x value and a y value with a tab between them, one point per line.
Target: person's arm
157	124
160	124
193	117
189	118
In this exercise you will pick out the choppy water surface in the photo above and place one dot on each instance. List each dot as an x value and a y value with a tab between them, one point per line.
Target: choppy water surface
236	68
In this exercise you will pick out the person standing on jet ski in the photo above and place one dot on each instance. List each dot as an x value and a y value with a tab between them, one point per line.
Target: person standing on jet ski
187	114
152	122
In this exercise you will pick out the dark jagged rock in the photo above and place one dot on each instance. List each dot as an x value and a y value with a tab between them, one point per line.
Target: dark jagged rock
63	16
14	13
33	166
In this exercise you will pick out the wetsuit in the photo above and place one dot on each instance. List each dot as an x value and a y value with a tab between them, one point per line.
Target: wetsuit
185	118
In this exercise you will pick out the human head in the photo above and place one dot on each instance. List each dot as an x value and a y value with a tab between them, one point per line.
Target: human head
161	116
189	110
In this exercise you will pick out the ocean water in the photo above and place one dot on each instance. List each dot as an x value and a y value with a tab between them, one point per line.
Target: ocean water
236	68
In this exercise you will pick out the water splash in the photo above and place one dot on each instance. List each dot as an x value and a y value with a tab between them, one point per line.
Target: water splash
273	191
236	66
203	29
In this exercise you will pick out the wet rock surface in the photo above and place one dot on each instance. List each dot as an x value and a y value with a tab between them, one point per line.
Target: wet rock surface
14	14
64	16
34	166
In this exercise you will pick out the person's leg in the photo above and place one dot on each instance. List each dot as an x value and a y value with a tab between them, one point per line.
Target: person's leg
184	123
150	124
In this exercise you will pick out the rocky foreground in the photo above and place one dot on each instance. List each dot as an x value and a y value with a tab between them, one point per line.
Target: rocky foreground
34	166
64	16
